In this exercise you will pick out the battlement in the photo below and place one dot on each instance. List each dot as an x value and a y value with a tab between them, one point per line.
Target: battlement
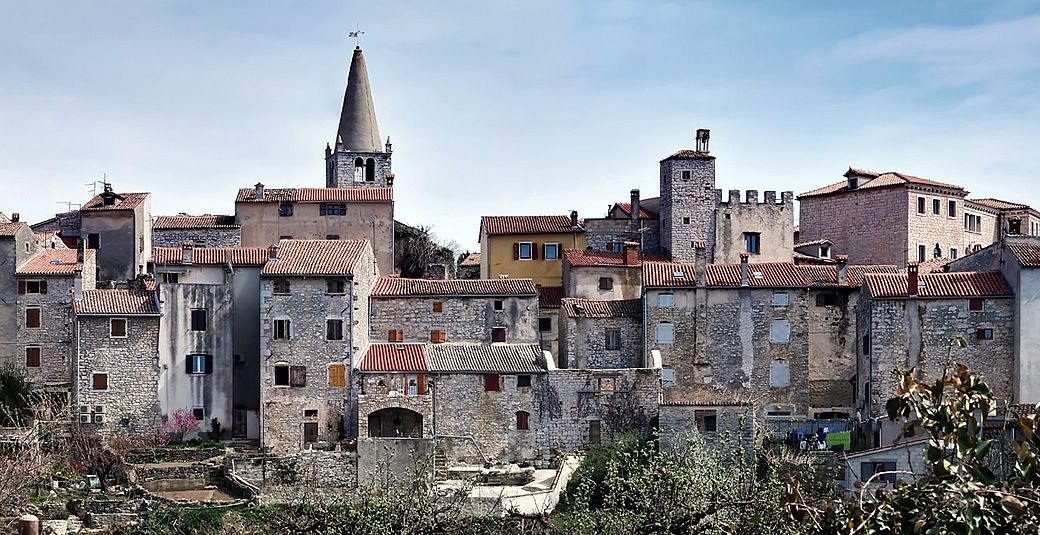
751	196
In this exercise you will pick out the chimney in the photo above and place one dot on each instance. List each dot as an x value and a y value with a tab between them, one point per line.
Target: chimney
77	284
328	151
631	252
635	205
259	191
843	265
389	147
911	279
389	179
744	275
272	252
187	252
702	140
79	251
699	250
15	217
108	197
574	218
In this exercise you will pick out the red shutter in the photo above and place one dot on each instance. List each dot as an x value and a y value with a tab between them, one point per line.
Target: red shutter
32	357
21	287
391	336
534	251
521	420
422	384
43	287
516	251
491	382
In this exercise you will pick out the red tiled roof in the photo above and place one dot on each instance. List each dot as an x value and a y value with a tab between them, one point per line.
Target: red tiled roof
117	303
589	308
127	201
827	275
687	154
237	256
957	284
317	195
473	259
777	274
998	204
44	236
171	222
1028	254
549	297
528	224
8	230
316	257
669	274
54	262
882	180
398	287
395	358
590	258
626	208
933	265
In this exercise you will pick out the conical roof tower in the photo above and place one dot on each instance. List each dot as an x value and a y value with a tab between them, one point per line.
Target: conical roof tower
358	130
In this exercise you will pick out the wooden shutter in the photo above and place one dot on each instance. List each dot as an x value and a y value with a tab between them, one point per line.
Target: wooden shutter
391	335
534	251
100	381
516	250
422	384
187	364
209	363
442	336
32	357
21	287
337	376
32	317
297	376
498	334
521	420
491	382
43	287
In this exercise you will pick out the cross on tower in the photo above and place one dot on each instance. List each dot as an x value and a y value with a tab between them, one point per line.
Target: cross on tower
356	34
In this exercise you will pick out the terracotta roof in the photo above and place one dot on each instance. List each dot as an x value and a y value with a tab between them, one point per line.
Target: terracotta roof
827	275
528	224
998	204
932	265
237	256
117	303
1028	254
669	274
8	230
882	180
687	154
482	358
54	262
626	208
316	257
590	258
170	222
317	195
395	358
127	201
473	259
398	287
549	297
777	274
589	308
958	284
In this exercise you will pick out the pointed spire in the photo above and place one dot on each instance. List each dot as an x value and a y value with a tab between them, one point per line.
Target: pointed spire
358	130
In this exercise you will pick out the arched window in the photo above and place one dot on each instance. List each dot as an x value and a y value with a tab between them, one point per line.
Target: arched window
359	170
521	420
370	170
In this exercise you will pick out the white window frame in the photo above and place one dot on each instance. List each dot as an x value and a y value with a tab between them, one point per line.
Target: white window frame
126	327
556	251
520	250
197	358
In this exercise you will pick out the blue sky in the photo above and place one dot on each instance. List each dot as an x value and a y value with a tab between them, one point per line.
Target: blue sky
512	108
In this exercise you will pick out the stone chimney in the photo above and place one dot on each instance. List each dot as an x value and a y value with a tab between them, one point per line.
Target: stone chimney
700	261
635	205
843	265
79	252
187	252
744	275
16	217
108	197
574	218
272	252
631	253
703	134
77	284
389	179
259	191
911	279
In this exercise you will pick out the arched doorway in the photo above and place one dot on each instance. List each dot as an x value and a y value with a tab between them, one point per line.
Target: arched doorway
395	423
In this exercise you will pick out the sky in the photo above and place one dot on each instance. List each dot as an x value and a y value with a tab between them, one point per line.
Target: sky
512	108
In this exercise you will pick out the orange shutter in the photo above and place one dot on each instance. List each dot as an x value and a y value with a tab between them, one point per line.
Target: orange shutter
422	384
337	376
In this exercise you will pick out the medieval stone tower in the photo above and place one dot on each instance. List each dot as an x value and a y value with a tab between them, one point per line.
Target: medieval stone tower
359	159
688	201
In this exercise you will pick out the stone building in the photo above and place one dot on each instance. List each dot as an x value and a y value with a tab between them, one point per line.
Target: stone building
764	230
17	245
605	275
438	311
727	425
622	224
910	321
358	159
46	287
986	221
528	247
688	201
202	230
314	299
119	227
117	361
549	300
601	334
469	267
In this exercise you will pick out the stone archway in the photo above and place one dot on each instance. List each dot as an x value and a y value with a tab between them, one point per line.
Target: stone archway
395	422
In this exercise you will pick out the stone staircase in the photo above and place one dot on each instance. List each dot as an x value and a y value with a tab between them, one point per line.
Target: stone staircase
440	465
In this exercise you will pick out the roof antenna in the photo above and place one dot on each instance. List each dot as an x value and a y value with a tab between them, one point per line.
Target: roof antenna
356	34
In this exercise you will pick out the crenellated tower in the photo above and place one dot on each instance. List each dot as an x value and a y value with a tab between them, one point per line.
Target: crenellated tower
359	158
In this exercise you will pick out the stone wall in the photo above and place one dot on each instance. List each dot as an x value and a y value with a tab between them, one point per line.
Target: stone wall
832	349
14	252
773	221
687	206
583	282
584	343
464	319
340	165
385	462
850	221
464	408
203	237
929	229
600	231
285	478
54	336
734	426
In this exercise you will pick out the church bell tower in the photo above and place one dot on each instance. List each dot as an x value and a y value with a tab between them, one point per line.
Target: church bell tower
358	158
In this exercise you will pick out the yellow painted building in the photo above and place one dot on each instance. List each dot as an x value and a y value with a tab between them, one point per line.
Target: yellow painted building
528	247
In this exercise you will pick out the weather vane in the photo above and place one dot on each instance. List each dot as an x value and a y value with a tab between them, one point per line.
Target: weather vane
356	34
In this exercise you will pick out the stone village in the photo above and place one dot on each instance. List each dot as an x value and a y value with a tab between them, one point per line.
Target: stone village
695	310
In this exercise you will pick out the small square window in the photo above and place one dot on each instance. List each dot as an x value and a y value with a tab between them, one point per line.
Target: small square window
685	174
975	304
99	381
498	334
198	320
395	335
199	413
492	382
334	329
984	334
281	375
310	413
613	339
117	328
332	208
199	364
552	251
33	287
335	286
93	241
285	209
665	300
523	381
525	250
438	336
499	304
280	286
544	325
752	242
707	421
606	283
32	357
282	329
438	306
780	299
686	221
171	278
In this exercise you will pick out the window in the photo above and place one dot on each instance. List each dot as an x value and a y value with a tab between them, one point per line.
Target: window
1014	226
551	251
285	237
359	170
32	317
32	287
332	236
117	328
828	299
524	251
825	251
779	374
685	175
99	381
544	325
920	205
438	306
286	375
780	299
492	382
337	375
607	384
686	221
93	241
922	253
665	333
171	278
606	283
332	208
334	329
395	335
615	247
285	209
953	253
281	286
281	375
32	357
752	242
867	469
665	300
595	432
198	320
198	364
972	223
707	421
521	420
335	286
936	206
499	304
498	334
984	334
523	381
952	208
975	304
613	339
310	432
282	329
438	336
780	332
199	413
310	413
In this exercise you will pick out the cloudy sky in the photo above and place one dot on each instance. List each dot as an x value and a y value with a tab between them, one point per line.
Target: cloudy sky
533	107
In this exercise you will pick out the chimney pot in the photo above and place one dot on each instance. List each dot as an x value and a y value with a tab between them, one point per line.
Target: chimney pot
389	179
259	191
187	252
703	134
631	253
272	252
574	218
745	276
635	205
699	261
911	279
843	273
15	217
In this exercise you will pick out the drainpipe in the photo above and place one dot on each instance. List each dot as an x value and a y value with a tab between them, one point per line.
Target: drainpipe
434	393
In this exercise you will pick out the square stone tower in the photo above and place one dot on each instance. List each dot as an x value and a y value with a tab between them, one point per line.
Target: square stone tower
688	201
